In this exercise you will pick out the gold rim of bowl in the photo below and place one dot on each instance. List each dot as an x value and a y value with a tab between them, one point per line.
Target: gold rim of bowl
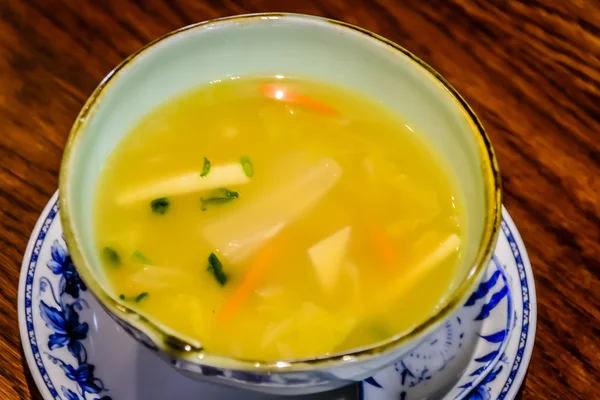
177	346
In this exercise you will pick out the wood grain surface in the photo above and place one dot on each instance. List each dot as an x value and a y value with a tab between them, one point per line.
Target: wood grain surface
530	69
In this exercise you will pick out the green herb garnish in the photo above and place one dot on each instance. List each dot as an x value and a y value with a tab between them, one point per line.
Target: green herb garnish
111	256
247	166
140	296
205	167
140	257
136	299
215	266
160	206
219	196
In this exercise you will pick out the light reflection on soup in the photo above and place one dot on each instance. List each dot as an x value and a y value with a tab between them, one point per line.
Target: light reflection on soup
278	218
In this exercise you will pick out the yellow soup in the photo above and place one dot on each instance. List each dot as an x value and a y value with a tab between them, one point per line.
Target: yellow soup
275	218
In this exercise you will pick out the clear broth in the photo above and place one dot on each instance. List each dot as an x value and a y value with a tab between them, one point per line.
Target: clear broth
347	233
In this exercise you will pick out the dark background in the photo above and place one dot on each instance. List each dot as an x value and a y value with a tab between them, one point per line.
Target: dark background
530	69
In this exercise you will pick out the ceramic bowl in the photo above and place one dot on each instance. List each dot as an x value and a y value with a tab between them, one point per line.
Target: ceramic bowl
289	45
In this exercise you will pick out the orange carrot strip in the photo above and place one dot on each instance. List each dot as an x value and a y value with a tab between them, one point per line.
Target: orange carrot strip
255	273
289	96
381	241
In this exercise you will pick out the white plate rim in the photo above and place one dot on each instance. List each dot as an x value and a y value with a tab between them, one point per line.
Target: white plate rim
523	357
41	380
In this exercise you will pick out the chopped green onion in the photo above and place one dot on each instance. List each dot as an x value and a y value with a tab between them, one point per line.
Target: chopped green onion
140	296
215	266
205	167
160	205
247	166
136	299
219	196
139	256
111	256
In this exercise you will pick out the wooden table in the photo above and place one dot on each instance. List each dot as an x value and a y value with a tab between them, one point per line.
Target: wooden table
530	69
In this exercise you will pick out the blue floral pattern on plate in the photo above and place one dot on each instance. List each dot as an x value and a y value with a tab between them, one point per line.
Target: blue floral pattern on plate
61	264
505	379
60	297
63	319
482	391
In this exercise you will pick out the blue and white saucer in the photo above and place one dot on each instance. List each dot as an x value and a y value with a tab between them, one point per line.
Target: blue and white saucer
76	351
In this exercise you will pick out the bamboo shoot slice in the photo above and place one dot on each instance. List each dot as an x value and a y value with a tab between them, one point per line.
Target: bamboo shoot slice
239	234
219	176
447	247
328	255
